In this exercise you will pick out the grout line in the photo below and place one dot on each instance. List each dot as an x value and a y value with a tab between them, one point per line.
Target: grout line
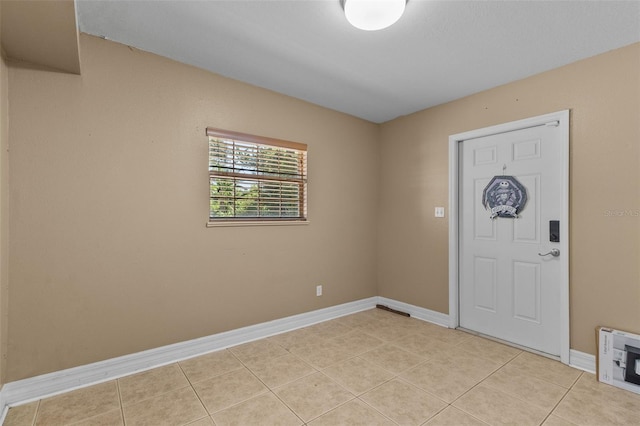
35	416
468	414
287	405
439	411
194	391
375	409
561	399
120	400
334	408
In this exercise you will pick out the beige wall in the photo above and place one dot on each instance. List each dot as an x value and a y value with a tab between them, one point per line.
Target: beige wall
109	252
42	32
603	94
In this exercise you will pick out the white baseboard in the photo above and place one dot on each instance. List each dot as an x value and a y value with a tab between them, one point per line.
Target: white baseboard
416	311
582	361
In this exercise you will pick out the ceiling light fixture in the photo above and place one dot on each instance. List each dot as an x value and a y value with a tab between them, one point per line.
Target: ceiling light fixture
371	15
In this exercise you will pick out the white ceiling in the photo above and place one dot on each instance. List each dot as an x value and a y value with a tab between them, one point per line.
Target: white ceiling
437	52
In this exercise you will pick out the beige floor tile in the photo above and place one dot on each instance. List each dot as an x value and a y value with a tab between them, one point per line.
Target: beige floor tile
451	376
110	418
312	396
392	358
405	371
206	421
78	405
583	409
488	349
557	421
469	363
299	337
357	342
499	408
210	365
416	325
531	389
451	416
328	329
284	369
258	350
612	395
593	403
424	345
228	389
391	318
403	403
546	369
378	314
321	354
448	384
390	332
372	314
373	324
447	335
358	375
177	407
426	327
22	415
353	413
355	320
148	384
262	410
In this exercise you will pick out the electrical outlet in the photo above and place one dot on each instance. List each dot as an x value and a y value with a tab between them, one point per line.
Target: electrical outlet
318	290
439	212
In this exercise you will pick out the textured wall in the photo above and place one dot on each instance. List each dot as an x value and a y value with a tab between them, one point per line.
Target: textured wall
109	200
603	94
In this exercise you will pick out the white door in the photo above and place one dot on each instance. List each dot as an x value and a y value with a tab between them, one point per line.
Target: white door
509	287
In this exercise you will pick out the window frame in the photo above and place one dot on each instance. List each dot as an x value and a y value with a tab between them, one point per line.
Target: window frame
300	148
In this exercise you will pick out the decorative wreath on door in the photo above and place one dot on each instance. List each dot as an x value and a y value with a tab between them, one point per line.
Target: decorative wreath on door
504	196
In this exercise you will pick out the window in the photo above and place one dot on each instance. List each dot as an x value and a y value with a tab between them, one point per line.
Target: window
252	178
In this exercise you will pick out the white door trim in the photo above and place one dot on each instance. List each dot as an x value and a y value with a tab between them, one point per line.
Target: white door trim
562	117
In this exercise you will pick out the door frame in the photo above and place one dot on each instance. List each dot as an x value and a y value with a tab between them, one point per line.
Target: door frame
562	119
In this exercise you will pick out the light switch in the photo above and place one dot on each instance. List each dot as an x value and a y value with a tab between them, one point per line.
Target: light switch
439	211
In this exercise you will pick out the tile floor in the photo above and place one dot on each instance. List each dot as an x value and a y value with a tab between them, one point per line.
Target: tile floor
370	368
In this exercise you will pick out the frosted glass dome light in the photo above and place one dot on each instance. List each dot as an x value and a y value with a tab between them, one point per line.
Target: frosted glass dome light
371	15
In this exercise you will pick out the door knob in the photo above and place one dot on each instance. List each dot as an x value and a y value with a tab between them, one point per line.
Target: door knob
554	252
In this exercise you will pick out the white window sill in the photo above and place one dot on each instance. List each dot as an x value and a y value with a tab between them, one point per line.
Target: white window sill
257	223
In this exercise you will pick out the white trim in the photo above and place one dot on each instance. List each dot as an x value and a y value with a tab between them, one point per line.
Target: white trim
257	223
582	361
417	312
34	388
563	123
565	331
454	318
5	408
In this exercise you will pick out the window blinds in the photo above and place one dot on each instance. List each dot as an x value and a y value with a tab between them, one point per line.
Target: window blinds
256	178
